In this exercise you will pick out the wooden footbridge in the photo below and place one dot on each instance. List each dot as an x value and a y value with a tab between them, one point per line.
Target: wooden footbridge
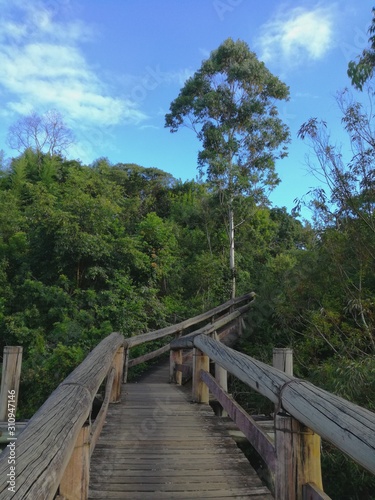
154	439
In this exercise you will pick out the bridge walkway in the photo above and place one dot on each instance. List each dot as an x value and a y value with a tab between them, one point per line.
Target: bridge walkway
156	444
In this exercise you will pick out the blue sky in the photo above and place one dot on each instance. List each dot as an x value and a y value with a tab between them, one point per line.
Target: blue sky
112	68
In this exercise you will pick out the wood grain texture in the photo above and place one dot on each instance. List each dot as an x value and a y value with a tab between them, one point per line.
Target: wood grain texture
255	435
179	327
168	448
10	379
44	447
347	426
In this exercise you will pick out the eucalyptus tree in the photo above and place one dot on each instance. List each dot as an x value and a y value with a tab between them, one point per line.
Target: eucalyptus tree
230	104
361	71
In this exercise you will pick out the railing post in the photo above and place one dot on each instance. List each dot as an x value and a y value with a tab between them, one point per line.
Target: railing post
175	358
297	446
10	381
74	484
200	390
283	360
126	365
118	364
221	376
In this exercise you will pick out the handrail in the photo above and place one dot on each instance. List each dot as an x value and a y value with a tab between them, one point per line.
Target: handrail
179	327
349	427
45	448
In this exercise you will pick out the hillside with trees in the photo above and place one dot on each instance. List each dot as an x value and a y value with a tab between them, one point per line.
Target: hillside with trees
90	249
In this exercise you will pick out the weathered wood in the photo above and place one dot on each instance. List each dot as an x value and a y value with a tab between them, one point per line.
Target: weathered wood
10	380
298	458
168	449
200	389
297	447
259	376
186	370
148	356
97	425
173	329
347	426
312	492
175	375
187	341
126	364
257	438
221	376
283	360
74	484
46	444
118	365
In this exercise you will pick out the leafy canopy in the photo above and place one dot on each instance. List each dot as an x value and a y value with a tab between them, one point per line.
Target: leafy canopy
230	104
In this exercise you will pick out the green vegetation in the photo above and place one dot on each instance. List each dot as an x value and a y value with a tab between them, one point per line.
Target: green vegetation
87	250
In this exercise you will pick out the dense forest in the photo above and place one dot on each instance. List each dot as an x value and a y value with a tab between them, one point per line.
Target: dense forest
90	249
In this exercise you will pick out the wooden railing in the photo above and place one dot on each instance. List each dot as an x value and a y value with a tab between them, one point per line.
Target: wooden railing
51	457
303	414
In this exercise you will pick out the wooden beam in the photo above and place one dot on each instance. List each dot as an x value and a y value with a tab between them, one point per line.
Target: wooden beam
298	458
200	389
175	375
118	365
312	492
347	426
74	484
187	341
46	444
186	370
148	356
257	438
126	364
98	423
283	360
172	330
297	447
10	381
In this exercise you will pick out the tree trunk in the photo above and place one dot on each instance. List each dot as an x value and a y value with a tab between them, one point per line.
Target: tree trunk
231	251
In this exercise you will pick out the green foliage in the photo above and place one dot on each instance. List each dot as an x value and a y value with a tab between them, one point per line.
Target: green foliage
230	105
360	72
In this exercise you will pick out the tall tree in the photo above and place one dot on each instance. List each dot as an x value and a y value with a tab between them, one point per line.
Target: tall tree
360	72
47	133
230	104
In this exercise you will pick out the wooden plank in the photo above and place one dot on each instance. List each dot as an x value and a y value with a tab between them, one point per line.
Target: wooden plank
97	426
10	381
257	438
148	356
180	451
347	426
187	341
46	444
74	484
201	362
312	492
173	329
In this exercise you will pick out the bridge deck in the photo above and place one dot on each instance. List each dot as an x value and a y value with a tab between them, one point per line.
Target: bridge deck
157	445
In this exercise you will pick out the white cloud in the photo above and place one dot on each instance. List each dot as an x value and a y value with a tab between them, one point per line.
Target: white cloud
43	67
296	35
